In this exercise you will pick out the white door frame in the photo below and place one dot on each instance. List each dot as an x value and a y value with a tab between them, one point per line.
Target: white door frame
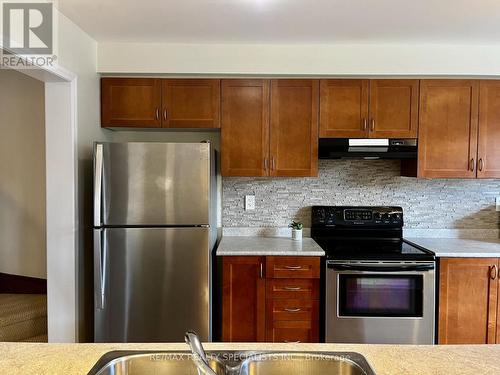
61	199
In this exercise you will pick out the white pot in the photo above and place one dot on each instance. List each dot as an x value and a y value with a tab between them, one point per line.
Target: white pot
297	234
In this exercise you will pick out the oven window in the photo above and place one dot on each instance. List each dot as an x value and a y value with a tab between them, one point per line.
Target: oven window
381	295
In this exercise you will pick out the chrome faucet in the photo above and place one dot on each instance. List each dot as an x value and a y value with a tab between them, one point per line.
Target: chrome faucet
199	356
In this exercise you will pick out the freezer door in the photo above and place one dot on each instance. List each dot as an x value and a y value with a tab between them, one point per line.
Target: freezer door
152	284
154	183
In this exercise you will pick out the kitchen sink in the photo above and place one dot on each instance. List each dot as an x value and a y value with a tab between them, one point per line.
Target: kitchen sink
306	363
152	363
233	363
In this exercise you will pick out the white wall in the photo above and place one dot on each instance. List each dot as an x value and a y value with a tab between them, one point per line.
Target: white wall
22	175
70	271
297	59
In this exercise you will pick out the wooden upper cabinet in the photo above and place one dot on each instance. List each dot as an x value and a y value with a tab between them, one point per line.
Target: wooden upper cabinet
294	127
447	145
344	108
489	130
467	301
245	127
191	103
130	102
393	108
244	299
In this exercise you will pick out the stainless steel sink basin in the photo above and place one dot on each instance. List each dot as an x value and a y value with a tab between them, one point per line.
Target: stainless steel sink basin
233	363
163	363
306	363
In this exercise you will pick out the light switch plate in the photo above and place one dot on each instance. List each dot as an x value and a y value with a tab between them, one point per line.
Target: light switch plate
249	202
498	204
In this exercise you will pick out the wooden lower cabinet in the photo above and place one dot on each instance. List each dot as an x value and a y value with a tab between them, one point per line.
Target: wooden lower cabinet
468	300
274	299
243	299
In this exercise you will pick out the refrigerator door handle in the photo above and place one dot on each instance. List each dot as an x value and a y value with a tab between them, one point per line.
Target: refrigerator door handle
100	256
98	160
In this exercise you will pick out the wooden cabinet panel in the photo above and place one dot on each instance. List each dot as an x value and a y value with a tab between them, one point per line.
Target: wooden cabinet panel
489	130
292	309
393	108
448	128
293	267
468	301
292	288
293	331
244	298
130	102
191	103
245	127
344	108
294	127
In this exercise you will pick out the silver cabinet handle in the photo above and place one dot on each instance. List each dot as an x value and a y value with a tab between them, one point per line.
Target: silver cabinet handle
480	166
266	164
294	288
365	124
296	309
98	161
291	342
493	272
372	125
293	267
165	113
157	113
261	270
100	255
472	165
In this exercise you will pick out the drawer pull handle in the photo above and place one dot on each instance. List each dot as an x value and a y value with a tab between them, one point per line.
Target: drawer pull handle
293	267
493	272
292	288
296	309
292	342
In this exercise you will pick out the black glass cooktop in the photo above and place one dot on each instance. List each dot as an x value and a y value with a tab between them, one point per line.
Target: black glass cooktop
373	249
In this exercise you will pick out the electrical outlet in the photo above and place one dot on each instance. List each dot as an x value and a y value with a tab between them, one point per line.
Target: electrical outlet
498	203
249	202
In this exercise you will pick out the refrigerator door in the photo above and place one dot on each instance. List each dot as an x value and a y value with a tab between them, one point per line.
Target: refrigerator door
152	284
152	184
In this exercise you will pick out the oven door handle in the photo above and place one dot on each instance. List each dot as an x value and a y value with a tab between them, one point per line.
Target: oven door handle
371	268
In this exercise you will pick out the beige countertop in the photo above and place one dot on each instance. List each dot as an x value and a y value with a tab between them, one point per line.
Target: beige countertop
76	359
254	245
460	247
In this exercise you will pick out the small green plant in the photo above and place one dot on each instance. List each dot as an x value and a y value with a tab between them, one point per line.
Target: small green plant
296	225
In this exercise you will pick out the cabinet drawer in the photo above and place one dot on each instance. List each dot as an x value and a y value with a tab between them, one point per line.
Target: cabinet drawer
292	267
293	331
293	289
292	309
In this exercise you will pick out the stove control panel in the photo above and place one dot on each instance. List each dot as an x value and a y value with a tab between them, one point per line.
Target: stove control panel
380	216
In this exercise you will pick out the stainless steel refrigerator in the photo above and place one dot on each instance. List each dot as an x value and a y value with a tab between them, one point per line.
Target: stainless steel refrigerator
155	226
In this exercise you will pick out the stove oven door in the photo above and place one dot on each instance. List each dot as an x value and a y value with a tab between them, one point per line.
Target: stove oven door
380	302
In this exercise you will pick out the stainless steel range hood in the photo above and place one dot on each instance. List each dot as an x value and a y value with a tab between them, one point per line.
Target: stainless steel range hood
339	148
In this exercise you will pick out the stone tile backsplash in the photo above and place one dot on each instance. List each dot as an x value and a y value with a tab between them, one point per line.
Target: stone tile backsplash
468	204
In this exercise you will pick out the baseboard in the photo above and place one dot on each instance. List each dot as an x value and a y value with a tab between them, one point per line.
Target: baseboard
16	284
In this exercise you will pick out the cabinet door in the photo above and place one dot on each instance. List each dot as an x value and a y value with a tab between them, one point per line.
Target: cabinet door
393	108
191	103
447	136
245	127
467	301
243	299
344	108
489	130
294	127
130	102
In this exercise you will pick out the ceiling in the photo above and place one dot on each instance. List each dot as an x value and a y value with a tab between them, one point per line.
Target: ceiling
288	21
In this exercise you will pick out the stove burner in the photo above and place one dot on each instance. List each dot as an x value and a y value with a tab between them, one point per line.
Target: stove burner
366	233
